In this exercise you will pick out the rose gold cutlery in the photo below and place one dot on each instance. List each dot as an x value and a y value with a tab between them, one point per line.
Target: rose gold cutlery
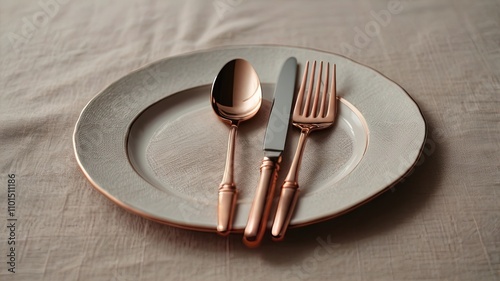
236	96
314	110
274	144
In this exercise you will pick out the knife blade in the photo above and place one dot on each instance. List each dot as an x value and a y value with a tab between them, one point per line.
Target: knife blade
274	144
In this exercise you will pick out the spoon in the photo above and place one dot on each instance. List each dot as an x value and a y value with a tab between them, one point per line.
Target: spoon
236	96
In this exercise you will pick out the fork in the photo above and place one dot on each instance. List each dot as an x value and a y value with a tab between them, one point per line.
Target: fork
308	118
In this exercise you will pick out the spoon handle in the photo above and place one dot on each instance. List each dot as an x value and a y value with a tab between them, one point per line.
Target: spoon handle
227	189
262	203
227	203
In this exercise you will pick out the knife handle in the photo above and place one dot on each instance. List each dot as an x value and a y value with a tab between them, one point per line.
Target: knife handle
262	203
286	206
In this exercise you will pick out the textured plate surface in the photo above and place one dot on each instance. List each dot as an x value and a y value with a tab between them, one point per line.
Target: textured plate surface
143	140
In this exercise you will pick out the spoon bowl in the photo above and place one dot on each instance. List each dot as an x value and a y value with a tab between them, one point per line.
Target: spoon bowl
236	92
236	96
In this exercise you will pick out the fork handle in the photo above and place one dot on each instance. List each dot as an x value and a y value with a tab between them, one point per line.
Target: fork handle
289	191
286	206
262	203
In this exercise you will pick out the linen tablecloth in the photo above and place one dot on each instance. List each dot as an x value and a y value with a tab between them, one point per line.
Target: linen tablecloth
441	223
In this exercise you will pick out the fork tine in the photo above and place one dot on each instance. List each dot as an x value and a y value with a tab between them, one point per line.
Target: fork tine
300	96
325	92
333	96
306	111
314	108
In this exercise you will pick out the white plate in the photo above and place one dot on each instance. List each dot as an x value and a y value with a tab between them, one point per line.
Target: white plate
151	143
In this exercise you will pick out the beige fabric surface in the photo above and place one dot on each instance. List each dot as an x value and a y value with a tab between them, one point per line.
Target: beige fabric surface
441	223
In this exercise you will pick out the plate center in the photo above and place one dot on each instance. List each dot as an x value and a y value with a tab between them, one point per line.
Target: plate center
179	145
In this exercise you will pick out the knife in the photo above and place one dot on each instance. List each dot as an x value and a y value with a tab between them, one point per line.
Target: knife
274	144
